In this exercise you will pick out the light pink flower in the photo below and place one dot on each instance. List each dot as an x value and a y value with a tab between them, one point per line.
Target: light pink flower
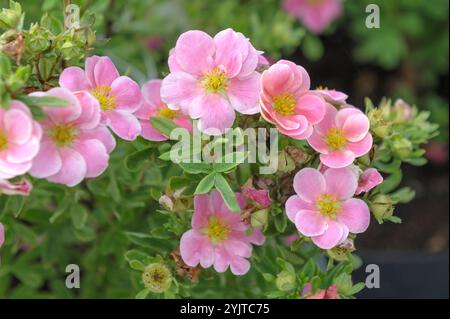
341	136
153	106
369	179
323	207
332	96
118	96
329	293
74	145
218	236
211	78
19	140
287	102
316	15
23	188
2	235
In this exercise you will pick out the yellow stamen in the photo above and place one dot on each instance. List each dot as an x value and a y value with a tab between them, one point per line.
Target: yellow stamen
335	139
217	230
328	205
315	2
102	94
215	80
63	135
166	112
284	104
3	141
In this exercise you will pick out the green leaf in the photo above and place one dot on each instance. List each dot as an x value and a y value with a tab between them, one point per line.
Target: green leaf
14	205
196	168
134	161
79	216
229	162
137	265
206	184
227	193
163	125
357	288
142	294
39	101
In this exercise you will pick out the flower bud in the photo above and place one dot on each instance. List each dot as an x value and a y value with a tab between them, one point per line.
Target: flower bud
402	111
286	281
70	51
285	163
11	18
378	123
157	278
402	147
340	252
382	207
259	218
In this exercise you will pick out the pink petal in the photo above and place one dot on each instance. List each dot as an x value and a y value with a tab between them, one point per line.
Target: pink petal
362	147
277	79
150	133
194	50
341	182
331	237
23	153
90	116
190	247
257	237
179	89
308	184
356	127
312	107
222	259
218	115
73	169
345	113
105	72
124	124
74	79
63	114
239	266
203	211
317	142
95	156
18	126
328	121
294	204
127	93
310	223
89	69
102	134
355	215
151	93
10	170
47	162
244	94
337	159
368	180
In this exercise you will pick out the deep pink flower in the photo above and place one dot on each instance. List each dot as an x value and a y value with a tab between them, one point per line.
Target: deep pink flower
23	188
74	145
218	236
341	136
211	78
329	293
316	15
19	140
153	106
118	96
369	179
332	96
323	207
2	235
260	197
287	102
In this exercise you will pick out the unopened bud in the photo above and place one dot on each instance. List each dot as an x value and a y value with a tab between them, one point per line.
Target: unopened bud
286	281
402	147
382	207
11	18
259	218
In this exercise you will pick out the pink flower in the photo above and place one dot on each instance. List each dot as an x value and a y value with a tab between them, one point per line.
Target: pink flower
332	96
218	236
74	145
287	102
329	293
369	179
316	15
211	78
118	96
19	140
22	188
341	137
2	235
323	207
153	106
260	197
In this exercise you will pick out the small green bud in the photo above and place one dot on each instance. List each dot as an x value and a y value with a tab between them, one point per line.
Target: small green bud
11	18
285	163
259	218
286	281
157	278
19	78
382	207
378	123
402	147
70	50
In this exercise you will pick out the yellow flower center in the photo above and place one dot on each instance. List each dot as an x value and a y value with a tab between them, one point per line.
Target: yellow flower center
315	2
335	139
284	104
3	141
63	135
166	112
217	230
215	80
102	94
328	205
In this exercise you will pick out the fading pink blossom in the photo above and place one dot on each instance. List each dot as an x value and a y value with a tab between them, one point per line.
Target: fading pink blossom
218	237
118	96
152	105
342	136
316	15
334	97
368	180
74	145
2	235
19	140
23	187
329	293
287	102
323	207
211	78
260	197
